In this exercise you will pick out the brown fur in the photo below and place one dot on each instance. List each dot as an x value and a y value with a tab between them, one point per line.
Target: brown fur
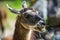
22	28
20	31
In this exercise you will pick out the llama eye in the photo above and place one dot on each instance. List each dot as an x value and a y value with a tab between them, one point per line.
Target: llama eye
26	15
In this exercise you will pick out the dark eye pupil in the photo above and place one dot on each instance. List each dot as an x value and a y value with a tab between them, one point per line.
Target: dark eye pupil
26	15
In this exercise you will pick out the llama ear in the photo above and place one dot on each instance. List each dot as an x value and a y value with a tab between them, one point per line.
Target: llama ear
24	4
13	10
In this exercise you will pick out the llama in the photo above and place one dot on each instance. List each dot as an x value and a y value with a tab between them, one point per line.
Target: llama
27	23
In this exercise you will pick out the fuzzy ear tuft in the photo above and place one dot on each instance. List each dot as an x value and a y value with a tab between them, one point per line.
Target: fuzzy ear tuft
24	4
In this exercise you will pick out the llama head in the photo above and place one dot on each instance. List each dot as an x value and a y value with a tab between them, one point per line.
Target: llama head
29	16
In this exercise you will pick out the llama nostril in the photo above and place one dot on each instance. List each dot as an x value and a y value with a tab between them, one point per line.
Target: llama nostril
42	22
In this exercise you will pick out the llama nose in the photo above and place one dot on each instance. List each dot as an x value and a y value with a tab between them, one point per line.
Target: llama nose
41	23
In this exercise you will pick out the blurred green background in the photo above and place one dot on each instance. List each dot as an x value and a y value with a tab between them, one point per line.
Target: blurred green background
16	4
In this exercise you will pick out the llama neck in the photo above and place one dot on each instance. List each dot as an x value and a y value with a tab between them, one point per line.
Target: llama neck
31	35
22	33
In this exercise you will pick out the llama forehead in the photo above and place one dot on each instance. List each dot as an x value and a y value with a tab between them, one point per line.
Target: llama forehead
32	12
